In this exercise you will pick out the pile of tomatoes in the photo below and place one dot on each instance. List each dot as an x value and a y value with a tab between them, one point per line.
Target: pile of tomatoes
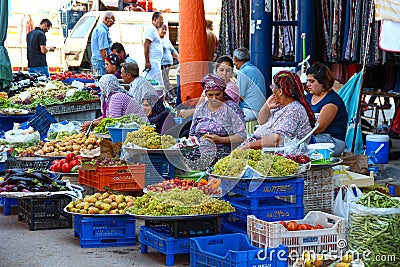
294	226
66	165
71	74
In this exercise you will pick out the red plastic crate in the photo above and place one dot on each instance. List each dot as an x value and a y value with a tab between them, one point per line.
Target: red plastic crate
115	177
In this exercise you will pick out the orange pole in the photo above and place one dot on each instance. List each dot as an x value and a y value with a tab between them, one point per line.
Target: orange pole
192	49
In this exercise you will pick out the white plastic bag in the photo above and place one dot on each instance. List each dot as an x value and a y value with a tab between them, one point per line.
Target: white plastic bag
345	196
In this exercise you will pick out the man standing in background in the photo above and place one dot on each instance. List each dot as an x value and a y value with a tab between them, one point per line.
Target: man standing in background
153	49
101	43
251	84
212	41
36	48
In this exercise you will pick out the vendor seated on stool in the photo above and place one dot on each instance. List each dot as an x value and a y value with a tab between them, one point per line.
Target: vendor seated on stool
285	114
329	105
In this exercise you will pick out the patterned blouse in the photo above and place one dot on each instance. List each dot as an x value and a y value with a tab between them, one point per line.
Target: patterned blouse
290	121
226	121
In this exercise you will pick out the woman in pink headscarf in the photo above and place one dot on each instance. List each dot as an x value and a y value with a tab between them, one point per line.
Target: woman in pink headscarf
218	123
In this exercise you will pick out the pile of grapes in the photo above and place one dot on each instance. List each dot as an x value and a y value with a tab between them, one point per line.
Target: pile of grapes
266	164
210	187
147	137
178	202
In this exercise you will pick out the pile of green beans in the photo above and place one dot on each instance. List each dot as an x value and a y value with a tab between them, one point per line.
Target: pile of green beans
376	234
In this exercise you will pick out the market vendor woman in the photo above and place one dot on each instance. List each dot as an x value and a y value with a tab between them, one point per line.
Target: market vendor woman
285	114
329	105
115	101
218	123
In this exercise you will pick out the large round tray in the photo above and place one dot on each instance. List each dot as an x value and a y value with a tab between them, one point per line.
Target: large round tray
64	173
168	151
37	158
50	157
94	215
179	217
264	178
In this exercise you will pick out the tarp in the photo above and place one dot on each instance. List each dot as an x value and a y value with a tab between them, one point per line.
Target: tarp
350	93
5	64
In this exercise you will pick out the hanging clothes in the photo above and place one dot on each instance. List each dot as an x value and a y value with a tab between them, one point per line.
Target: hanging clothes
283	46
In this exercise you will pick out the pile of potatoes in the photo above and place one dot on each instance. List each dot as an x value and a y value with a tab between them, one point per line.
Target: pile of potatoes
77	143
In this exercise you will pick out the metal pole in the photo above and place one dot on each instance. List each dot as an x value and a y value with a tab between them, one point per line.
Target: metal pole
261	38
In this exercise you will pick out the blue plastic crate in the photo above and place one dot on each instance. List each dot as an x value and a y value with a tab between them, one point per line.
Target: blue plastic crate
119	134
228	227
7	203
105	231
270	209
160	238
2	166
7	122
234	250
41	121
158	168
261	189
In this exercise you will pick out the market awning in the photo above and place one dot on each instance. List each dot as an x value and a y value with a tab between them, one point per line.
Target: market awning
5	64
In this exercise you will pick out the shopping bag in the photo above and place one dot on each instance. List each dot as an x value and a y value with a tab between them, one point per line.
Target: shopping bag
345	196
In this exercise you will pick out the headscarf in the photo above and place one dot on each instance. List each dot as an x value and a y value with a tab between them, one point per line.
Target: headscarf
291	86
214	82
156	103
108	85
115	60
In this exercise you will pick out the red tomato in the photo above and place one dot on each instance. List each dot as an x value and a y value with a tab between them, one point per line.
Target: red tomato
63	161
55	161
66	167
56	167
79	157
318	226
292	226
283	223
302	227
70	156
73	163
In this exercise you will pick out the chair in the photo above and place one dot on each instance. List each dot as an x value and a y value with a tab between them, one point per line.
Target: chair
306	139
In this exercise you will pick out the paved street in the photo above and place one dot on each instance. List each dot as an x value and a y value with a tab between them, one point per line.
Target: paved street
20	247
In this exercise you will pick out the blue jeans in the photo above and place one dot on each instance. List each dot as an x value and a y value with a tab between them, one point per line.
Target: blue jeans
41	70
98	66
340	145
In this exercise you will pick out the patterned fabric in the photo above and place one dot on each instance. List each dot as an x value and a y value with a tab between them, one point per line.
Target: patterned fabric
213	82
290	121
227	121
108	85
116	60
118	105
139	87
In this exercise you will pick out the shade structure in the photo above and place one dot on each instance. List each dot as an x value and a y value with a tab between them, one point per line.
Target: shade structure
5	64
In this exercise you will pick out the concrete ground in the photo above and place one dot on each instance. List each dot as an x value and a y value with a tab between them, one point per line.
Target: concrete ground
58	247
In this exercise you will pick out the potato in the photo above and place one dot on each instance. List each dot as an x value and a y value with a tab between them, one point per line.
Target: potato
90	146
76	147
68	148
63	149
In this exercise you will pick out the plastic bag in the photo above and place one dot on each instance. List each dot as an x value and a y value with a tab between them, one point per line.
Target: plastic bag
21	137
60	130
345	196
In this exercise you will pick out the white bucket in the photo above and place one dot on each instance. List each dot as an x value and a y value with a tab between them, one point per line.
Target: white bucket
321	153
377	146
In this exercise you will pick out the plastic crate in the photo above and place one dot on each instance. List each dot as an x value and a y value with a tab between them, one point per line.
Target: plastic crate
234	250
41	121
228	227
190	228
119	134
74	108
318	190
159	238
105	231
7	122
45	212
157	168
266	234
120	178
2	166
270	209
7	203
262	189
33	163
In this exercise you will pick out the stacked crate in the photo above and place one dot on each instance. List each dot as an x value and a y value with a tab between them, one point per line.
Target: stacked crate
267	200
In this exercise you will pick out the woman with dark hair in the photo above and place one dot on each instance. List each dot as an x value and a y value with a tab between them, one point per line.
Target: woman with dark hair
218	123
328	106
156	113
285	114
113	64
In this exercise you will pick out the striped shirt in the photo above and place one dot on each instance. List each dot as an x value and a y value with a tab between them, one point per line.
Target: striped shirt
121	104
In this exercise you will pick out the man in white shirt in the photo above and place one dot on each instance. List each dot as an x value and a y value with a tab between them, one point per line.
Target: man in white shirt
153	49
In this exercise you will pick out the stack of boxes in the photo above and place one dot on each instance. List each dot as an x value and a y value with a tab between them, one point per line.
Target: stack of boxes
267	200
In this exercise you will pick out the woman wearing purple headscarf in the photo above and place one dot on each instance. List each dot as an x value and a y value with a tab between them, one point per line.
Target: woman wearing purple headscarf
218	123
